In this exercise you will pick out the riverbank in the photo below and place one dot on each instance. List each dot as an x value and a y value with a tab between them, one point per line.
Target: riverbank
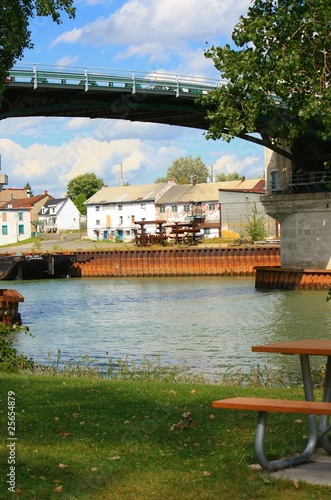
113	440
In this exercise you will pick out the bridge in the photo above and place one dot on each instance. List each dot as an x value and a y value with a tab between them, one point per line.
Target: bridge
33	90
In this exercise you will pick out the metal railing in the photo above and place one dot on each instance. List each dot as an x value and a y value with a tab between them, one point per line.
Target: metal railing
41	75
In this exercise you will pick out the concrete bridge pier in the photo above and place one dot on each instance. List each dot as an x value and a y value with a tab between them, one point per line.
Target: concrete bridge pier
305	230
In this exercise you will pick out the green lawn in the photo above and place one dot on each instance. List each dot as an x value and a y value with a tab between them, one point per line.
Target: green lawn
81	438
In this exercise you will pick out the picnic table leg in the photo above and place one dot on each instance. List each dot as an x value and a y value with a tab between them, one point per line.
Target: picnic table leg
324	420
281	463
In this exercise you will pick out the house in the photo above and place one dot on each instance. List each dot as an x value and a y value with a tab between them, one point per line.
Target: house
217	206
237	207
19	218
59	214
15	225
113	211
13	194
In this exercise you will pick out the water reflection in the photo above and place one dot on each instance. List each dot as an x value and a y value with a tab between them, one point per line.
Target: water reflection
209	323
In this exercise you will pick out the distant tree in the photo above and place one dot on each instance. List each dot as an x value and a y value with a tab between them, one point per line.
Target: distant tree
15	16
87	184
255	226
221	177
28	188
186	170
79	202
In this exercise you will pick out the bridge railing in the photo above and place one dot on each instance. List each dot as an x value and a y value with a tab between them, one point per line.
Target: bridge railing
130	81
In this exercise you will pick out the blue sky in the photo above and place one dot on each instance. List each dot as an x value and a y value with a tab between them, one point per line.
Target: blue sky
145	35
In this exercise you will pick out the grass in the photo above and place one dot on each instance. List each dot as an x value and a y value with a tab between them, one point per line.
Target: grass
88	438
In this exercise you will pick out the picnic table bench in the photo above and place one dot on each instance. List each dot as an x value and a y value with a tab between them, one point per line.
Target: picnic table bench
308	406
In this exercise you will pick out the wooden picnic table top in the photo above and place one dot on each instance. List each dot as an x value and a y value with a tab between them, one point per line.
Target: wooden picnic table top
143	222
183	230
309	346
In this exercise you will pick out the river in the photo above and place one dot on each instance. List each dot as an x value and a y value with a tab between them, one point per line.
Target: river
207	323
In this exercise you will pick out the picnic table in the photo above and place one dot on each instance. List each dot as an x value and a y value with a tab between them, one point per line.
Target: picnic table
305	349
186	232
144	238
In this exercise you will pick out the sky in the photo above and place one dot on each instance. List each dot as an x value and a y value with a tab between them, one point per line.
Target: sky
142	35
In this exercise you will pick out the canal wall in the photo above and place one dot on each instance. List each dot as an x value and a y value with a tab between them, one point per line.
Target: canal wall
190	261
277	278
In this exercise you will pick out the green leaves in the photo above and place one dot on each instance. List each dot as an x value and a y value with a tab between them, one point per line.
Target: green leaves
15	16
279	70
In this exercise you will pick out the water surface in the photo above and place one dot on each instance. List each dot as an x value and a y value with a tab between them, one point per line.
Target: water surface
208	323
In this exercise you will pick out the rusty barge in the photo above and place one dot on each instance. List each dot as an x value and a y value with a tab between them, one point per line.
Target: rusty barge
36	266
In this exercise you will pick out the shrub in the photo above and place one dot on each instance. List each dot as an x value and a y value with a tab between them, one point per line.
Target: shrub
10	360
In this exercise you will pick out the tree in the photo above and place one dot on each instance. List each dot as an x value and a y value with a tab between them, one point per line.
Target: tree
277	81
255	226
79	202
15	16
221	177
28	188
86	184
186	170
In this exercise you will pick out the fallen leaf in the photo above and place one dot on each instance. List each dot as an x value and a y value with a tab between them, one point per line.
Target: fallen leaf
58	489
298	421
62	466
206	473
127	422
42	478
115	458
56	419
172	392
75	415
296	485
193	391
65	434
212	416
93	469
82	423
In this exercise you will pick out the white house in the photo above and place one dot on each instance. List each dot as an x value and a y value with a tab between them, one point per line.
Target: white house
58	215
15	225
113	211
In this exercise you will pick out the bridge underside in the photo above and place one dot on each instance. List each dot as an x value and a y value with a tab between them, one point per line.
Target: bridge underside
113	103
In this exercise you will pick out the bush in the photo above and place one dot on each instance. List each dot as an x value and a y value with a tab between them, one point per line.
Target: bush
10	360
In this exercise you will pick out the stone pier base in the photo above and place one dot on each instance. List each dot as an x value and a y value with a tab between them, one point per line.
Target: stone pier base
273	278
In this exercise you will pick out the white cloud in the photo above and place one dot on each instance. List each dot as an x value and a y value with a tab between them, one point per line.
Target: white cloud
230	163
67	60
159	29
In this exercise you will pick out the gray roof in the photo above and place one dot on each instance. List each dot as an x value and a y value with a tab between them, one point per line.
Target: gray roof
126	194
207	191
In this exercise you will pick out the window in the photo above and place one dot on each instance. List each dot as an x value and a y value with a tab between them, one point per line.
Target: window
21	229
143	206
20	216
206	230
162	209
186	208
97	222
121	219
119	207
97	208
274	180
211	206
4	230
4	216
174	208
